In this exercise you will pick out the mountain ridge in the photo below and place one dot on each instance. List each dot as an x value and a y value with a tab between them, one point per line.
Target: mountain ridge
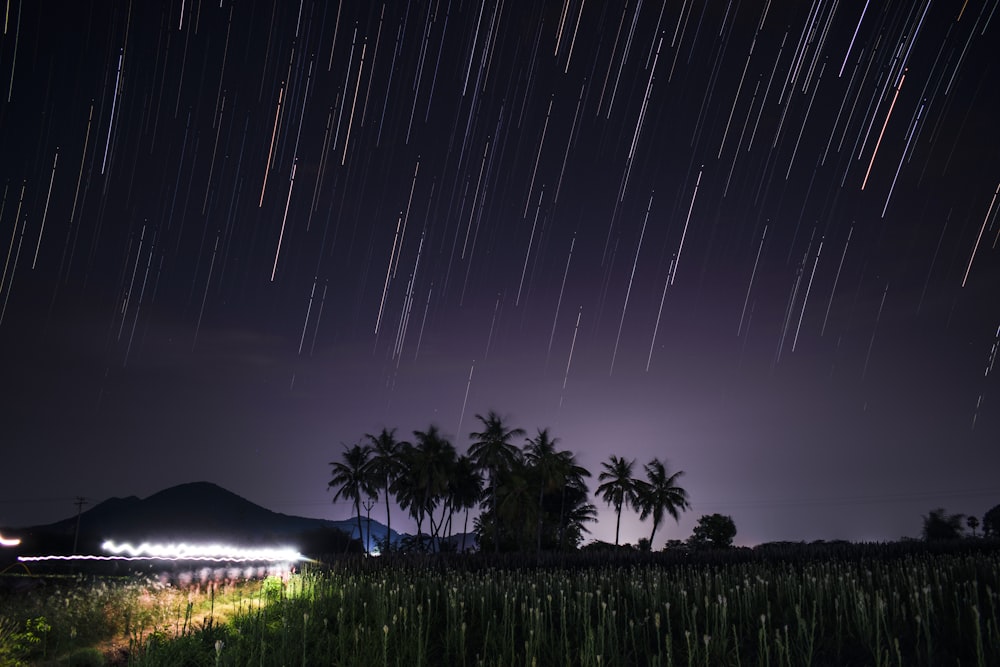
199	510
204	510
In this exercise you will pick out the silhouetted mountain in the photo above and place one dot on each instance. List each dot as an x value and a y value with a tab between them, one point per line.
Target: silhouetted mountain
197	511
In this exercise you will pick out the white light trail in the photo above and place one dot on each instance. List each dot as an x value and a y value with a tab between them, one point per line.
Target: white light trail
882	133
9	541
45	212
284	219
805	299
182	551
465	401
979	237
659	314
628	292
114	105
853	37
687	221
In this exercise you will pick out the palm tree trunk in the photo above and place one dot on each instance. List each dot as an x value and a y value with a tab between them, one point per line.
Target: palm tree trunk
357	510
465	528
496	514
436	530
447	528
562	512
618	525
541	495
388	519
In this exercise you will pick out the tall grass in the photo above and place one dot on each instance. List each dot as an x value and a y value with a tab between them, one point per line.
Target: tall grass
917	609
59	619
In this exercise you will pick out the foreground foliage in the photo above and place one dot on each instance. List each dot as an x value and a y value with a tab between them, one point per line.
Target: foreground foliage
896	604
86	620
914	609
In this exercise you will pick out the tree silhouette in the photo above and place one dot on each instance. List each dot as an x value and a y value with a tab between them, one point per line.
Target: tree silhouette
406	487
465	490
659	493
424	483
540	498
972	522
577	512
619	488
384	466
493	452
939	525
573	495
352	479
515	510
549	468
991	522
713	530
535	494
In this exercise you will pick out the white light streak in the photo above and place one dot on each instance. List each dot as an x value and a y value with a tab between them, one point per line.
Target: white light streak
687	221
853	37
284	220
979	237
114	105
183	551
628	292
882	133
753	274
45	213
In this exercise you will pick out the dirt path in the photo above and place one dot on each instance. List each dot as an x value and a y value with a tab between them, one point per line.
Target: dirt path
171	617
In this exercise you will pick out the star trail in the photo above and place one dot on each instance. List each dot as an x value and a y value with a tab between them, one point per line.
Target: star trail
758	239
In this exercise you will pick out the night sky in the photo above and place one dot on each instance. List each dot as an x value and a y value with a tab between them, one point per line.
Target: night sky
757	239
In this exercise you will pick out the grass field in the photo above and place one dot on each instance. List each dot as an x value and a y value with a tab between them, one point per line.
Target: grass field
854	607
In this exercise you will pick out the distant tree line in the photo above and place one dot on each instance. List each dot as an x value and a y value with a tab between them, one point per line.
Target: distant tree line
940	526
532	497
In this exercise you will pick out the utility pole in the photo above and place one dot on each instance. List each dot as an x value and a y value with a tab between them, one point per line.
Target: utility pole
79	501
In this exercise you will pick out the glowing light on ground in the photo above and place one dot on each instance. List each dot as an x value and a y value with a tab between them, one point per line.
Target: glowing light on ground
9	541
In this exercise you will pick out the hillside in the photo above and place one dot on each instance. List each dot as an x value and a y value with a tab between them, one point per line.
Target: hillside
193	511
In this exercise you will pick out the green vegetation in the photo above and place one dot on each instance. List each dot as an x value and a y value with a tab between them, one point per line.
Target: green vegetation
77	620
824	605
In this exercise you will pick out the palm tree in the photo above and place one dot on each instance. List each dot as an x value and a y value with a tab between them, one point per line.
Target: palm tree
430	470
549	467
493	452
577	513
352	478
406	486
385	466
619	488
465	490
659	493
573	494
515	496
